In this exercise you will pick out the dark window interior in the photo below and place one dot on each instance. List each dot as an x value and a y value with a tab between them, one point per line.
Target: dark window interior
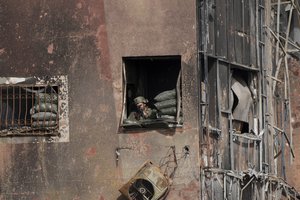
149	76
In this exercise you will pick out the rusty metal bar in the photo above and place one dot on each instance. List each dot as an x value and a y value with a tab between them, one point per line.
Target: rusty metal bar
178	91
20	106
287	88
124	93
277	30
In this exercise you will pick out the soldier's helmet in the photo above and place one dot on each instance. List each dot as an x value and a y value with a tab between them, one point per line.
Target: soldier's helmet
140	99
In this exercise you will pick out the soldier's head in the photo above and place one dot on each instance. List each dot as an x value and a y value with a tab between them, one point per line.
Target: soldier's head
140	102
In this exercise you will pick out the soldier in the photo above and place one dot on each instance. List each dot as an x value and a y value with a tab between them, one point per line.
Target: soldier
143	111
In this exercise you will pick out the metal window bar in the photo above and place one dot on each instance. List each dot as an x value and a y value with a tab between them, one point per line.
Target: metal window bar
25	112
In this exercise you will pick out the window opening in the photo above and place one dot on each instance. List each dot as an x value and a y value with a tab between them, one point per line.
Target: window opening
152	96
242	100
33	106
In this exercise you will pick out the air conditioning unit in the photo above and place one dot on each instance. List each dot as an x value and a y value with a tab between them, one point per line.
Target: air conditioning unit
149	183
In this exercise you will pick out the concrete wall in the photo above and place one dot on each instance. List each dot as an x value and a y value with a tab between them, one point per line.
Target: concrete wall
292	175
86	41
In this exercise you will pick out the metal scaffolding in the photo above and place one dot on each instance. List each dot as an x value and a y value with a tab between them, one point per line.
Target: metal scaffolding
247	163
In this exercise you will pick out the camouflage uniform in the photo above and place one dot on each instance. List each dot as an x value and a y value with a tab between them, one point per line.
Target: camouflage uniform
147	113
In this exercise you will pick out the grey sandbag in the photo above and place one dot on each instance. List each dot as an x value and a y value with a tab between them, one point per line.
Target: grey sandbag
37	124
41	116
46	98
167	117
168	111
44	107
169	94
166	103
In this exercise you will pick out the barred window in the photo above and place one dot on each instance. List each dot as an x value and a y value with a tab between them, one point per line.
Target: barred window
33	106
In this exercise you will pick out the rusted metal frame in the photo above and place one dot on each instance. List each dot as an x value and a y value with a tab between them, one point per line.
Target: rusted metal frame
247	136
259	64
230	124
198	38
275	79
282	131
240	66
296	7
243	26
291	43
202	183
283	183
268	190
287	193
1	100
224	187
230	173
219	111
13	107
205	58
262	84
282	136
178	92
265	116
282	2
287	85
277	30
279	59
257	193
212	187
198	34
6	112
277	39
20	105
124	93
203	31
230	186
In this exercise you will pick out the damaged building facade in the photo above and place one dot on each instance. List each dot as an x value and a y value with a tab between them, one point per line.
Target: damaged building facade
213	74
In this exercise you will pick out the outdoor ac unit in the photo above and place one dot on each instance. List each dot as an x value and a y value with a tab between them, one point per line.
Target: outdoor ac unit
149	183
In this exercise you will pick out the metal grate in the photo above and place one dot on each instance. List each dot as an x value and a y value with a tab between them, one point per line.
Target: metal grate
28	109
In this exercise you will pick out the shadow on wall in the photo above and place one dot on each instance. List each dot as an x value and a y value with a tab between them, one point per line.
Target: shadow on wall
122	198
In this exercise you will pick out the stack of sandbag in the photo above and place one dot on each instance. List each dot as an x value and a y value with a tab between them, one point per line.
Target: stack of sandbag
166	104
44	112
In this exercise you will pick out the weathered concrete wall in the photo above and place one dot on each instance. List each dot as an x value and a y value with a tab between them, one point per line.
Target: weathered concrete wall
61	37
292	170
86	41
154	28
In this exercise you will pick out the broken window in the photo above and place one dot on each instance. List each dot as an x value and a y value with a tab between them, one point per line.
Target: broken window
31	106
152	92
243	95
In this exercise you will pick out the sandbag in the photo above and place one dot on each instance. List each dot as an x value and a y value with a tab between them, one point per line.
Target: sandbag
169	94
166	103
44	107
168	111
42	116
37	124
46	98
167	117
